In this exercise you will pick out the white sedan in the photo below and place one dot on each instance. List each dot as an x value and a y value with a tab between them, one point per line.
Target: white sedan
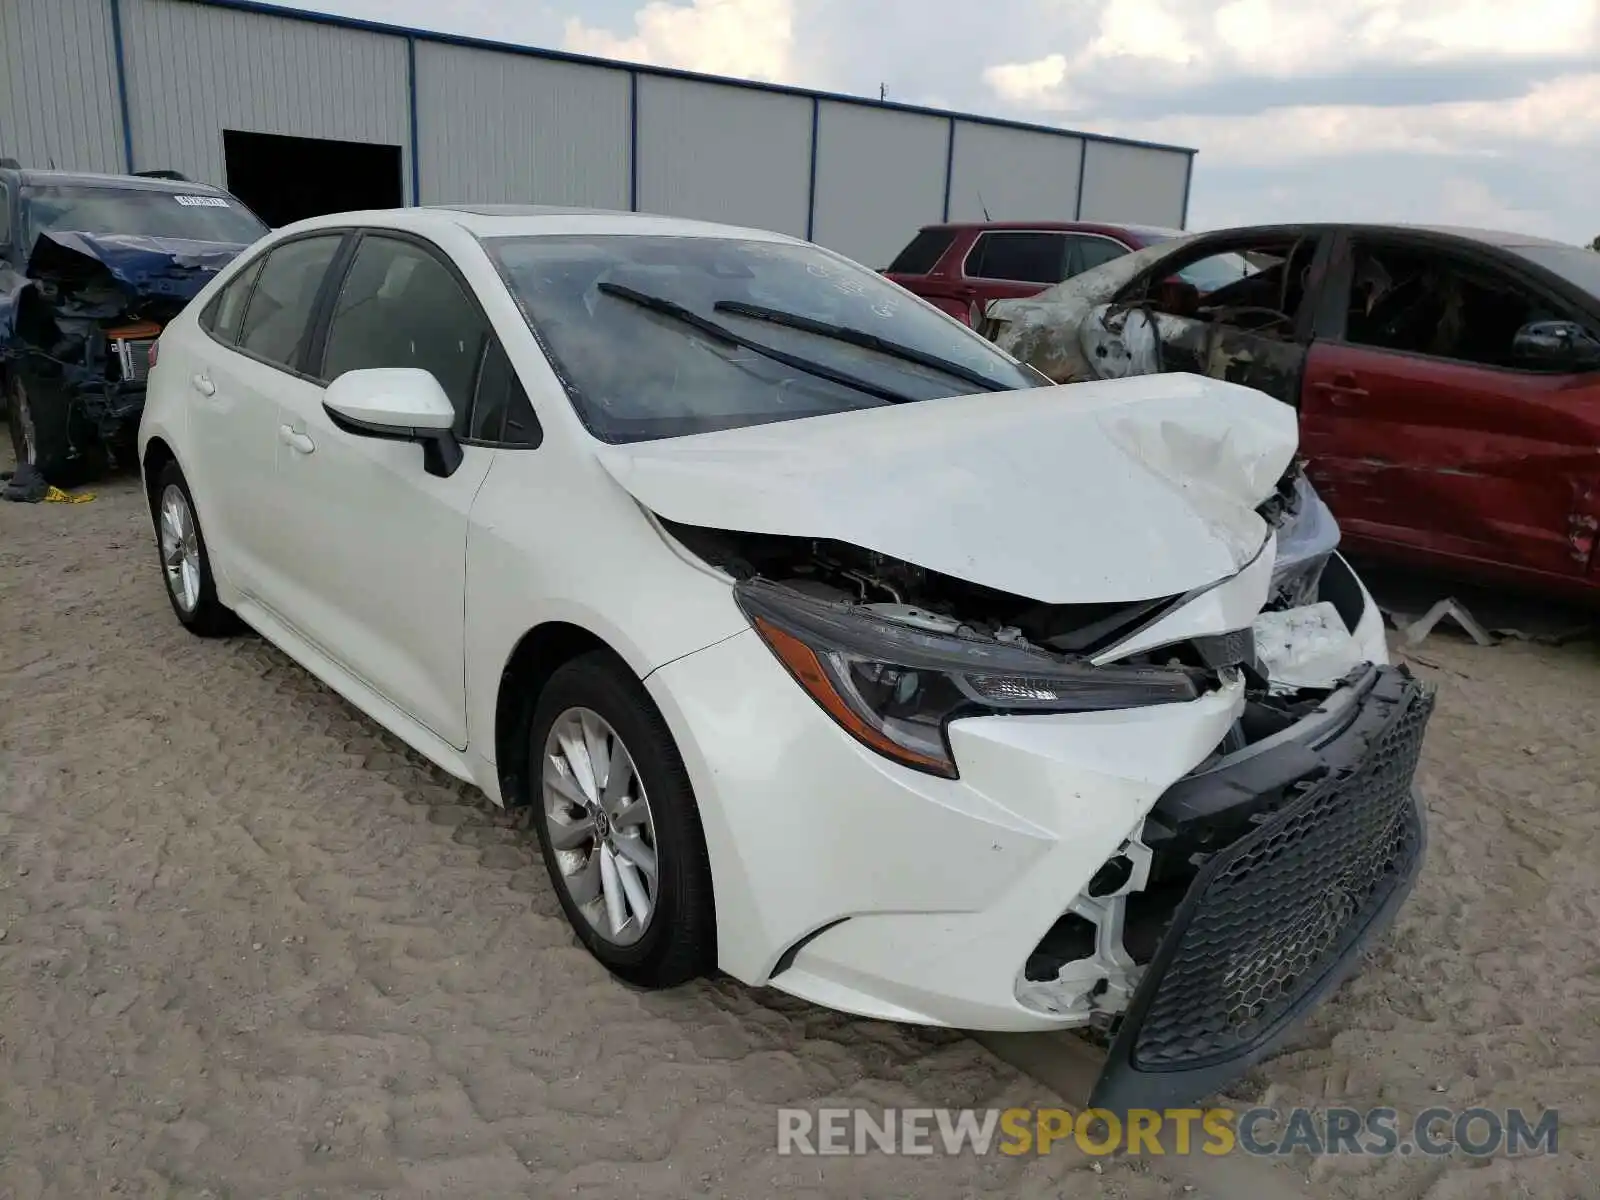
834	648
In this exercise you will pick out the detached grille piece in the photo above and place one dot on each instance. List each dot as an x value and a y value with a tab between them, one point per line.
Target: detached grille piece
133	357
1271	915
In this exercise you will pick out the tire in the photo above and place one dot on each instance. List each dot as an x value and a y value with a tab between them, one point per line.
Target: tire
190	587
39	431
678	939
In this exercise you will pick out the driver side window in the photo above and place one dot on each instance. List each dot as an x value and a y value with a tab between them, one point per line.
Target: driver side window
1418	300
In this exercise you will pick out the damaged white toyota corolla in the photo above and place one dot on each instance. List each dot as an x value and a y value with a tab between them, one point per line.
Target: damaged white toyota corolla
832	647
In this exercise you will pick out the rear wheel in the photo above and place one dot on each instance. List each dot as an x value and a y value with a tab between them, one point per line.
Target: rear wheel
618	825
185	563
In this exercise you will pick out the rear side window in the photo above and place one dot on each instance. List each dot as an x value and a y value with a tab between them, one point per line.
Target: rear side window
221	318
1019	257
1090	252
923	253
278	317
400	306
501	412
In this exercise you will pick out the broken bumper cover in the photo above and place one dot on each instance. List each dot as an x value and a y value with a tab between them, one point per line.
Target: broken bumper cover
1276	920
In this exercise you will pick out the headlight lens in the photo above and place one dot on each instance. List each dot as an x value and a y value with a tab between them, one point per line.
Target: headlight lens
895	688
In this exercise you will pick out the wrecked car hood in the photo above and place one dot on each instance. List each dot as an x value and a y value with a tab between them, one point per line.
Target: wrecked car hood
143	265
1118	490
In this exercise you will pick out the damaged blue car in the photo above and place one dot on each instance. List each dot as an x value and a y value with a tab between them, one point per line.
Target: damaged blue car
91	268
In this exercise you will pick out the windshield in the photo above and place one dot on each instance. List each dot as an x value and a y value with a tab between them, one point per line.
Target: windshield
1217	271
1572	263
637	372
141	212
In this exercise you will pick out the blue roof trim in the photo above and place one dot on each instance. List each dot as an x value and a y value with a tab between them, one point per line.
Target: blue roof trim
122	84
452	39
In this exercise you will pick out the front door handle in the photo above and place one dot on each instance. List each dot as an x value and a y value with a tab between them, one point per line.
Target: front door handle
298	442
204	386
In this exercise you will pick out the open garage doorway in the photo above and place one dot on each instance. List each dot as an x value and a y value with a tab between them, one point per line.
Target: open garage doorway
286	179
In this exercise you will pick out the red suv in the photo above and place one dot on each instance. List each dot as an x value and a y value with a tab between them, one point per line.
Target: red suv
961	267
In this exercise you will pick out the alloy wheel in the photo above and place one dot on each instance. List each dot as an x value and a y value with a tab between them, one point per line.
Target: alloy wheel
180	548
598	821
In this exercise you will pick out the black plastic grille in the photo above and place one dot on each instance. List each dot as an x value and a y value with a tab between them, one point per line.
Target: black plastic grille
1280	907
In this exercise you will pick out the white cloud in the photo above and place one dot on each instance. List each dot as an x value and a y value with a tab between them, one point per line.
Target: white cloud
1563	113
751	39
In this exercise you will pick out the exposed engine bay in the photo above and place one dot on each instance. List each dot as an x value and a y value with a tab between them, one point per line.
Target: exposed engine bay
1292	662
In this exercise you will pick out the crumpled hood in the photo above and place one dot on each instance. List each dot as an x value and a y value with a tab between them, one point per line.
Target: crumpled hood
1112	491
145	266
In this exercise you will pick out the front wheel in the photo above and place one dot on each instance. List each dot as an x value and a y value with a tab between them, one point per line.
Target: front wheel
38	423
185	562
618	825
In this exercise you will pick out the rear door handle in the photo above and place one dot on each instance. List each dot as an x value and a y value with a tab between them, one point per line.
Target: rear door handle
204	385
298	442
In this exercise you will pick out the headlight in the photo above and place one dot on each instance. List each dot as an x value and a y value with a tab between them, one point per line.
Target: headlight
895	688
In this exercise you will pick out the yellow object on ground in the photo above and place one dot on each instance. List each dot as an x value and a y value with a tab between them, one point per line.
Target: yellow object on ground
56	496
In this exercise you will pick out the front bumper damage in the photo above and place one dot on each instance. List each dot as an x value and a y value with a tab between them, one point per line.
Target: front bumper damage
1305	843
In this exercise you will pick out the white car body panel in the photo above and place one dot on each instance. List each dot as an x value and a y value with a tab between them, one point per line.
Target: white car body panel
409	595
1068	494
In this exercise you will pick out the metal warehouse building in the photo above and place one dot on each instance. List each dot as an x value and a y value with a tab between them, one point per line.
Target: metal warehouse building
302	113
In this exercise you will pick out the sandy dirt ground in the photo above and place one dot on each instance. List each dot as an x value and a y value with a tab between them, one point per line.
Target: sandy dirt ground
252	946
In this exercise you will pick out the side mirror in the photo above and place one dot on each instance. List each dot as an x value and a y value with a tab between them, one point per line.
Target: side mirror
401	404
1557	345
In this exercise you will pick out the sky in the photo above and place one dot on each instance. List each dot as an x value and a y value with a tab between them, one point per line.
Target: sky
1471	112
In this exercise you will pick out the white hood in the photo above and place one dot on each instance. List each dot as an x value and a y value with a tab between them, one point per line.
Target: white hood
1112	491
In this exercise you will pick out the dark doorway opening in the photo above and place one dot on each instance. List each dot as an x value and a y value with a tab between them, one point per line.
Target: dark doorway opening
286	179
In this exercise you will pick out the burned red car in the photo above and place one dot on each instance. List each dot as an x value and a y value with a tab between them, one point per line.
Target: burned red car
1447	380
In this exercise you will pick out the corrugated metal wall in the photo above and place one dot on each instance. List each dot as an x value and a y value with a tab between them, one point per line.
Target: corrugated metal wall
58	85
880	175
194	71
723	153
1134	184
500	126
506	128
1017	174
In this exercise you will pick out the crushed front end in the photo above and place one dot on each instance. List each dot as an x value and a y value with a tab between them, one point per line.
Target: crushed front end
1265	871
1250	733
78	332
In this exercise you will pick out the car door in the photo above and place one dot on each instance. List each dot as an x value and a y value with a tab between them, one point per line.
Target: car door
256	334
378	580
1237	308
1433	429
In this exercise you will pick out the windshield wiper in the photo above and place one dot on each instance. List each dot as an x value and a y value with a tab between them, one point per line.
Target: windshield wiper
671	308
860	337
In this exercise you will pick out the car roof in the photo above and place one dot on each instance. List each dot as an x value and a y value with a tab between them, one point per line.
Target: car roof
1049	226
1464	233
1488	237
533	220
144	183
